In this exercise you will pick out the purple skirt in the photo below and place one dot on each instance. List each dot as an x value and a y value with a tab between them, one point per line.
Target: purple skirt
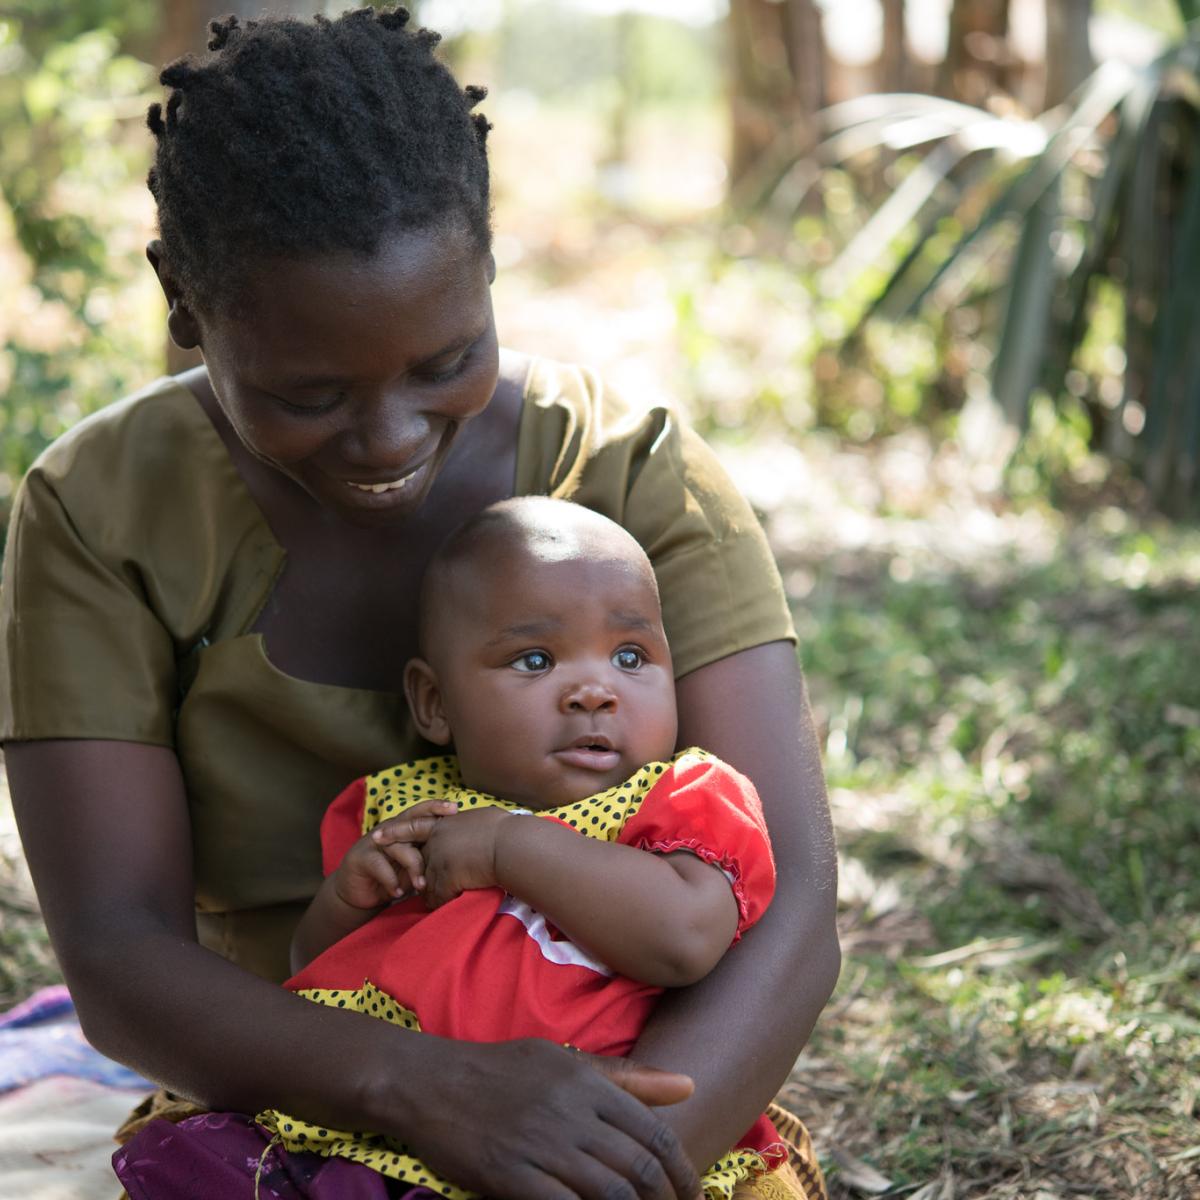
218	1156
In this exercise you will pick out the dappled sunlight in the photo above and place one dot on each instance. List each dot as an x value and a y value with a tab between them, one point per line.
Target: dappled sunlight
1000	639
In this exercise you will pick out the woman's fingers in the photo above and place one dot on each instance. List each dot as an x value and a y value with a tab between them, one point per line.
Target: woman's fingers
641	1149
650	1085
631	1158
618	1167
649	1154
531	1105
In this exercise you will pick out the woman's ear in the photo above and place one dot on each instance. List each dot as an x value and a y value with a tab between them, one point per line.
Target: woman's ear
181	322
425	702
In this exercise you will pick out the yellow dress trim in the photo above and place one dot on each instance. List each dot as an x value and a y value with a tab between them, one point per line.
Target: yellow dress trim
393	791
390	793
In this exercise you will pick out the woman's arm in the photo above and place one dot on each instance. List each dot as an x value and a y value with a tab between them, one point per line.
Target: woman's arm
106	833
738	1032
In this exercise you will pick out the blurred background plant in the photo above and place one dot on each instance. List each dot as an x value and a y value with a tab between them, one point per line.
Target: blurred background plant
968	216
921	269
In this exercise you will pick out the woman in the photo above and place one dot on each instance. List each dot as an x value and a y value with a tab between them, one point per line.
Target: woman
210	587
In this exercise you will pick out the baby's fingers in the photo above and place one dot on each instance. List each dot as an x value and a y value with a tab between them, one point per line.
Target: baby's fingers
379	868
410	860
415	825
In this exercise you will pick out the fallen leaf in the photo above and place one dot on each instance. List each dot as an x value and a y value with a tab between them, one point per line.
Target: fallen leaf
859	1175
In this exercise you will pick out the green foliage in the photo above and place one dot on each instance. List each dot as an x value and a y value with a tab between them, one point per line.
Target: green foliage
1041	227
73	219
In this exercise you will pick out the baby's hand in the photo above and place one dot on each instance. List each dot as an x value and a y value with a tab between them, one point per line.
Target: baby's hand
385	863
460	854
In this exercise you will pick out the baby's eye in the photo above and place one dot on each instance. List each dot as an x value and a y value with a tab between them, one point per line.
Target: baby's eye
628	659
532	660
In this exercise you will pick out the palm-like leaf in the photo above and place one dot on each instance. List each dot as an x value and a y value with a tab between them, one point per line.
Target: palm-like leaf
1126	146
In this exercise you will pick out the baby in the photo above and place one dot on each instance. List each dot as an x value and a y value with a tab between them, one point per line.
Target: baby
561	869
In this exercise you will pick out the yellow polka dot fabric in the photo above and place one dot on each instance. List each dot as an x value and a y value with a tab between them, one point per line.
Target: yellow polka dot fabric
388	794
392	792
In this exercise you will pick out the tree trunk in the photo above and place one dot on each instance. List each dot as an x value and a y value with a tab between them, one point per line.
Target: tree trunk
777	79
185	31
893	62
1068	49
978	58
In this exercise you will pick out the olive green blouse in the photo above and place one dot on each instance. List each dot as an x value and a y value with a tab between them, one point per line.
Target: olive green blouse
137	561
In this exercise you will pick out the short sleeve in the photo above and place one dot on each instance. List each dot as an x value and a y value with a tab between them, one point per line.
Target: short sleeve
133	544
704	806
81	652
645	469
717	577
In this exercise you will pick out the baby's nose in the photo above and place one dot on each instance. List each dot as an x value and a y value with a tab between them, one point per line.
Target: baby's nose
589	696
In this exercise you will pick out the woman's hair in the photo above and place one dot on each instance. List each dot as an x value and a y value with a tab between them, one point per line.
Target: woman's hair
293	137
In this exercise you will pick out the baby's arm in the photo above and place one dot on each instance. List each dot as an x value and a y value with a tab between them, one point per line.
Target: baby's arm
380	867
662	919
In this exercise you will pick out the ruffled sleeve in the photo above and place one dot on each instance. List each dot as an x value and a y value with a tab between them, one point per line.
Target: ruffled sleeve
704	806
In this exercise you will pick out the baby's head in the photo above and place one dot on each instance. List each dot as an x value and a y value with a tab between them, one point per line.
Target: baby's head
543	657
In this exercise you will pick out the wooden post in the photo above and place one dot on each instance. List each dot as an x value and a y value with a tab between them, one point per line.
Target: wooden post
776	78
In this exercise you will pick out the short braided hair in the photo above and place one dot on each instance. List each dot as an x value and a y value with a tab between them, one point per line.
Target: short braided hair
294	137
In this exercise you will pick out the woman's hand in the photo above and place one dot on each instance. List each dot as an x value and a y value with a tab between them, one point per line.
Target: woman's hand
528	1120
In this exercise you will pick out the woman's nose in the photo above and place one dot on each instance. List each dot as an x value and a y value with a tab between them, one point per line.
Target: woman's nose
386	429
589	696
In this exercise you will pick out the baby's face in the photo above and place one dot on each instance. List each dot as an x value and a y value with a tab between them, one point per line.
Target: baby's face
555	676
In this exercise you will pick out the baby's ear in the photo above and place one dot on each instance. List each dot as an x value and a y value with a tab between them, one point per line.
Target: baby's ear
425	702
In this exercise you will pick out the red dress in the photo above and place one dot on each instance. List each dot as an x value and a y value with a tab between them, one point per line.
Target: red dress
487	967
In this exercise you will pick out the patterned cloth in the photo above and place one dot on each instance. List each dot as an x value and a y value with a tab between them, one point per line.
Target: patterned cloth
236	1160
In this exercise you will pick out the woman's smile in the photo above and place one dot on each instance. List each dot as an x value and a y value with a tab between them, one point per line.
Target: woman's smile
355	377
404	492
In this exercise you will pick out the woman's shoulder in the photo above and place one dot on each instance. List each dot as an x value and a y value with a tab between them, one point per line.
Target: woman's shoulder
145	488
156	426
635	460
581	393
575	424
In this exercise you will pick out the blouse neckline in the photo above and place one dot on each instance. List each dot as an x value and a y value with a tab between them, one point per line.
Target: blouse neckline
268	543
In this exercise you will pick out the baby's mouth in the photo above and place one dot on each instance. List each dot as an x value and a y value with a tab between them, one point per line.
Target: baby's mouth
591	751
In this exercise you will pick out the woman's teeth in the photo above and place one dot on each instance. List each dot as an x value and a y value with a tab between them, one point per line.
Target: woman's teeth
379	487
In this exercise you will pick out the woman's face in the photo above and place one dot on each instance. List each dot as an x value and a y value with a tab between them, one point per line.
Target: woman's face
354	375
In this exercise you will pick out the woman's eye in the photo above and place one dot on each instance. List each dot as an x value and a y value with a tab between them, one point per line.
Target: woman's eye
449	371
324	404
628	659
532	661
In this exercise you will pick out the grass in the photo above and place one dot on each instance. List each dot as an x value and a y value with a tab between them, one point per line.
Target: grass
1013	751
1012	742
1009	699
